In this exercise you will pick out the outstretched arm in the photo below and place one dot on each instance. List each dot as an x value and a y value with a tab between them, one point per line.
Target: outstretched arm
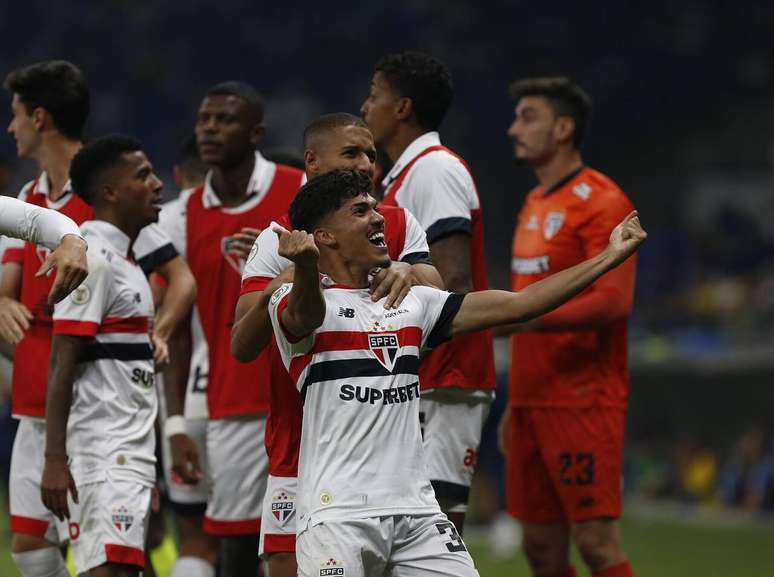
486	309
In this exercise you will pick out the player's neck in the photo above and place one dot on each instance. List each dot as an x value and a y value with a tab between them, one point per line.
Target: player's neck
121	222
54	157
404	135
558	167
230	184
342	272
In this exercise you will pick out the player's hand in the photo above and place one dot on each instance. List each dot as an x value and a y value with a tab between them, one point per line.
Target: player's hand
297	246
160	350
14	320
394	282
626	237
503	431
185	459
242	241
69	258
54	486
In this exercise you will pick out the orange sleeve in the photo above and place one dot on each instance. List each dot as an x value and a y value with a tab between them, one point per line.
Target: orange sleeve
610	298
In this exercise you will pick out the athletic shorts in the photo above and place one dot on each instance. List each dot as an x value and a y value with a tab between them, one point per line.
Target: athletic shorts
399	546
451	434
110	524
239	468
28	514
278	522
564	464
187	499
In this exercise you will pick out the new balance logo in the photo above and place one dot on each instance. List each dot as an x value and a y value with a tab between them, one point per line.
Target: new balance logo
346	313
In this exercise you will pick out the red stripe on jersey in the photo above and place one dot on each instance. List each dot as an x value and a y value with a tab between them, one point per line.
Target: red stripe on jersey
124	555
254	284
78	328
279	543
228	528
15	255
134	325
29	526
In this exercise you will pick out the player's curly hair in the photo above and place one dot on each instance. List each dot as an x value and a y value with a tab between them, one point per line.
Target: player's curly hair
57	86
565	97
422	78
325	194
91	161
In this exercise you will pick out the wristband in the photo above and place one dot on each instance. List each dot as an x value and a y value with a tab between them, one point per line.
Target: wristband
174	425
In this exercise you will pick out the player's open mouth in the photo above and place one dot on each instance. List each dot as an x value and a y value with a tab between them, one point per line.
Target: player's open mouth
377	239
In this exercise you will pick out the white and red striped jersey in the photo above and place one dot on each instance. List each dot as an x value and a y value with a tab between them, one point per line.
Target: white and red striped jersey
202	229
361	447
436	185
30	377
405	242
114	405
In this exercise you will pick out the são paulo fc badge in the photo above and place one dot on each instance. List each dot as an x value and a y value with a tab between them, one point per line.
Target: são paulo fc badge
384	346
552	224
282	506
122	519
332	568
232	257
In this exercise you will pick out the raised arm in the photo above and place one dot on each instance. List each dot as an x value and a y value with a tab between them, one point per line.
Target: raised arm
486	309
306	306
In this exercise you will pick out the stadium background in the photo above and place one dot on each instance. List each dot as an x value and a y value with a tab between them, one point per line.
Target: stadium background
683	119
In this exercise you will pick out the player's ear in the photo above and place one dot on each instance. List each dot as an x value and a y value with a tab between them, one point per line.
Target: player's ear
257	134
404	108
311	162
564	128
39	118
324	237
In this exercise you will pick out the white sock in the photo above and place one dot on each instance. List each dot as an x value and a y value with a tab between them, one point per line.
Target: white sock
192	567
45	562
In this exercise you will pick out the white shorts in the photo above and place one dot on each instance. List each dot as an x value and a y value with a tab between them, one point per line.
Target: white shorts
451	434
187	499
28	514
278	523
395	546
239	468
111	522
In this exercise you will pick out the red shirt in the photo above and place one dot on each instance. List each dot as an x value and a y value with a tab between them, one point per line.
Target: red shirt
584	366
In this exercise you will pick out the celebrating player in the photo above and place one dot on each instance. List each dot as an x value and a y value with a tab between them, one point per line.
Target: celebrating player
332	141
563	432
215	226
102	403
365	504
409	96
50	106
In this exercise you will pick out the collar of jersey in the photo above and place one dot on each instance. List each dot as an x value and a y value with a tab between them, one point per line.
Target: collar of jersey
413	150
44	187
328	283
111	233
564	180
257	187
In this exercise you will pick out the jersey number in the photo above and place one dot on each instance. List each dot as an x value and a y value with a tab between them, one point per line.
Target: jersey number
583	470
455	544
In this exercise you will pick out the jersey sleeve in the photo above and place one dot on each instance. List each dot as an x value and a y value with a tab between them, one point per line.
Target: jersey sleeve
172	221
440	308
13	248
288	345
415	247
441	196
264	262
83	311
35	224
153	248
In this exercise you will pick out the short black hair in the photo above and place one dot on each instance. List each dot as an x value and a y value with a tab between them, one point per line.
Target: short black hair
329	122
564	96
325	194
91	162
188	159
57	86
243	90
422	78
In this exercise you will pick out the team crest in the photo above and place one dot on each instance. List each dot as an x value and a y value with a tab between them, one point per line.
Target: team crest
81	295
43	253
282	506
232	257
122	518
552	224
385	347
332	568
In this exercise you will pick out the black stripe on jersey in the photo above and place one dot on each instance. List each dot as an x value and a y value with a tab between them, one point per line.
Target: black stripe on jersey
158	257
440	333
417	258
96	351
457	494
354	368
447	226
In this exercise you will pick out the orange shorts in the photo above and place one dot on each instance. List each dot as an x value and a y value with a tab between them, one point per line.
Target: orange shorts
564	464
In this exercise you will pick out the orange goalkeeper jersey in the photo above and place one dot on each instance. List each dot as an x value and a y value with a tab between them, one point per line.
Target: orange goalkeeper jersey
587	364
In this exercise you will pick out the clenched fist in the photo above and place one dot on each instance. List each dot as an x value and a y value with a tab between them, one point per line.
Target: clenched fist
297	246
626	237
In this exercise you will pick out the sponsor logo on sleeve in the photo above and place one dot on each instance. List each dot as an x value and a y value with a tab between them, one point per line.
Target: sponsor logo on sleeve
81	295
279	293
582	191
